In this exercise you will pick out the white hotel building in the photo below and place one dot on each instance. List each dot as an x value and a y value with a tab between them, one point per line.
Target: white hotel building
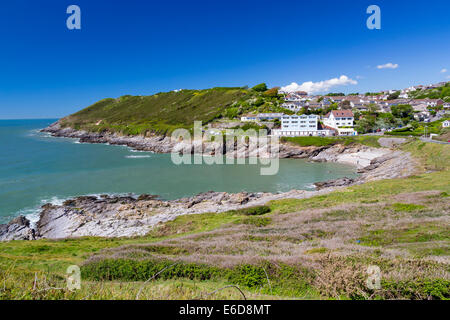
342	121
301	125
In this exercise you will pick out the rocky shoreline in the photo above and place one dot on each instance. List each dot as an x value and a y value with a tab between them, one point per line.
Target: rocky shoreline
125	216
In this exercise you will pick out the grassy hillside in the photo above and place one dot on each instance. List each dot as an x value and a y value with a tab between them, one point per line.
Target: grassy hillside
437	93
159	112
166	111
318	247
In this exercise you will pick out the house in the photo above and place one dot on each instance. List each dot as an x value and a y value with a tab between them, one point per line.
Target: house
429	102
296	96
423	116
396	102
301	93
420	107
325	102
342	120
294	105
301	125
261	117
269	116
360	106
249	117
315	105
446	124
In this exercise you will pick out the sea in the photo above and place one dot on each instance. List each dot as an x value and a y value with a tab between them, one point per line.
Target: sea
36	168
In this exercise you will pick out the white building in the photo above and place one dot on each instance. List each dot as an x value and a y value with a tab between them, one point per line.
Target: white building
261	117
249	117
446	124
301	125
294	105
342	121
269	116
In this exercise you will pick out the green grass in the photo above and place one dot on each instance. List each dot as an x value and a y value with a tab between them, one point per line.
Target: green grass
409	234
431	127
371	141
432	156
407	207
370	191
56	255
164	112
161	113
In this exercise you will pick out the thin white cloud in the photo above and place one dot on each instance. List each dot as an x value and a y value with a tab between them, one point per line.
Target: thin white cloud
388	66
444	70
321	86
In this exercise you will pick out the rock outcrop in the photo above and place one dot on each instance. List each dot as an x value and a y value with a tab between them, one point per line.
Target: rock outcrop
17	229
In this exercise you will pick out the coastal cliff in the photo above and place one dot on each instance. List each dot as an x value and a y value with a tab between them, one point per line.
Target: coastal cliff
124	216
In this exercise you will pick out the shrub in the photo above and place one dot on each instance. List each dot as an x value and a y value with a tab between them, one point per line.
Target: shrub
256	221
419	289
247	275
260	87
254	211
135	270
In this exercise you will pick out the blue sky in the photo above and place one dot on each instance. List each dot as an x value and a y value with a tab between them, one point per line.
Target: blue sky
144	47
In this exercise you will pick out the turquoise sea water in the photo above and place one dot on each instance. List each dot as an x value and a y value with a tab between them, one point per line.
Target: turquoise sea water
36	168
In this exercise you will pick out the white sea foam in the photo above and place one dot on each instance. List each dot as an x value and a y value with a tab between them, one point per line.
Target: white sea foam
137	157
310	186
134	150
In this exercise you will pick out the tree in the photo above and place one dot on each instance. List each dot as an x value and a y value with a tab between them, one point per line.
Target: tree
260	87
373	108
272	92
394	95
402	111
445	92
345	105
366	124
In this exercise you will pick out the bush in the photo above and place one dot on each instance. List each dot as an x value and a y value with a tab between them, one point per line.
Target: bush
134	270
247	275
260	87
420	289
254	211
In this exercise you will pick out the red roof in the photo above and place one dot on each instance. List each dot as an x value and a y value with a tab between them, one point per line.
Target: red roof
340	113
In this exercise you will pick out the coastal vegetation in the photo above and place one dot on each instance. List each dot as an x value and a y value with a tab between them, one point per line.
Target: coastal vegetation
164	112
370	141
317	247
